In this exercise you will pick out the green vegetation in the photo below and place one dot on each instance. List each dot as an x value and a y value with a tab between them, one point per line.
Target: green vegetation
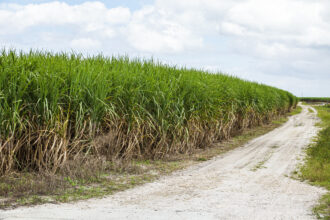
317	167
296	111
56	107
75	128
260	165
315	99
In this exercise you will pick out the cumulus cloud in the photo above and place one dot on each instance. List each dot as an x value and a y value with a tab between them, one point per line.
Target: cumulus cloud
281	24
283	37
60	13
153	30
149	29
81	26
270	28
85	43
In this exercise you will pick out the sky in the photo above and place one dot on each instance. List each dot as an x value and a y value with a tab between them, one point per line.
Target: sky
283	43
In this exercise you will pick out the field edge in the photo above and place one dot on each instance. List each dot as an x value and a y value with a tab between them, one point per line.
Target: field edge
119	176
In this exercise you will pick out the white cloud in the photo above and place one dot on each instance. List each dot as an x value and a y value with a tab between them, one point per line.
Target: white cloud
152	30
118	15
85	43
229	27
87	17
149	29
283	24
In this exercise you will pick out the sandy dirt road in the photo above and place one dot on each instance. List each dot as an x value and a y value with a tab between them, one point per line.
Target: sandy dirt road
250	182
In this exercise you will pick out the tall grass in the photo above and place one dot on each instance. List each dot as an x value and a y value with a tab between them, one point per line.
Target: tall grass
54	107
315	99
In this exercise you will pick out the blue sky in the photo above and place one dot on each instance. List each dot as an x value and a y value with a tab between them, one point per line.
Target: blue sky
284	43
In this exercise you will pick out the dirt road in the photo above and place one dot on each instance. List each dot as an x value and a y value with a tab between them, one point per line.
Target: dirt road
250	182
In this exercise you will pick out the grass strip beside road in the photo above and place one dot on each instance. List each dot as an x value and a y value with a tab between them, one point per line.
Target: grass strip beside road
317	166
